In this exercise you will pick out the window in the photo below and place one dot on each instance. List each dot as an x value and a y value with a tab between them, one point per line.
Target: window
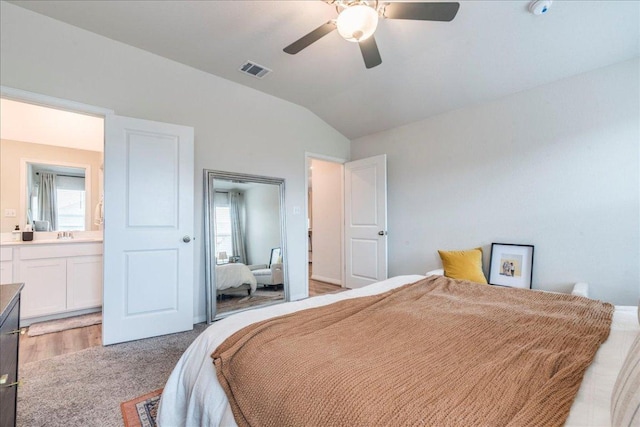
223	233
71	202
70	196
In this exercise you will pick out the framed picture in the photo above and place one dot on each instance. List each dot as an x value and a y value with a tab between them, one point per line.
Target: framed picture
511	265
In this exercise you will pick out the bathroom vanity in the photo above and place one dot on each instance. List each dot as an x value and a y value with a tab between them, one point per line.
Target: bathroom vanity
61	277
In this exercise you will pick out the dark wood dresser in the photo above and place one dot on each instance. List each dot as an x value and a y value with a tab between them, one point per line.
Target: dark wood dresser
9	340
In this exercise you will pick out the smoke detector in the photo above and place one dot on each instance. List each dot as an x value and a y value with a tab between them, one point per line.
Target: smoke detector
540	7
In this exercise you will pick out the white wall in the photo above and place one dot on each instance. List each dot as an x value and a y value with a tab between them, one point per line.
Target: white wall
236	129
556	167
262	207
327	202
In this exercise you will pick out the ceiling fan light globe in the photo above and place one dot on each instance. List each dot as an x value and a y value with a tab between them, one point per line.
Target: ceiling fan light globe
357	23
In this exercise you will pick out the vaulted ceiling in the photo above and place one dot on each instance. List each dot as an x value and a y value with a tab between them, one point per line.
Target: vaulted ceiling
491	49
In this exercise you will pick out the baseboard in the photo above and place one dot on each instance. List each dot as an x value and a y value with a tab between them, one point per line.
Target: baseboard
326	280
37	319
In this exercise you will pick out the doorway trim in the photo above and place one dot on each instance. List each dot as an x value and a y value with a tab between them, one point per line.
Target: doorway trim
51	101
308	156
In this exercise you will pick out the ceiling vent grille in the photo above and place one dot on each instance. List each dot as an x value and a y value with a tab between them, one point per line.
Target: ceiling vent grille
255	70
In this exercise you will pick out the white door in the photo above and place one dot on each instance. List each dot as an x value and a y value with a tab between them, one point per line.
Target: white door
365	185
148	247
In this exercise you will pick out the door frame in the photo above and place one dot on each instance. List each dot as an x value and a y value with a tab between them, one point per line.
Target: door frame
308	156
58	104
51	101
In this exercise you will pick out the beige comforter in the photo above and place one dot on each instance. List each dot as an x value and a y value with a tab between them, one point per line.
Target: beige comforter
437	352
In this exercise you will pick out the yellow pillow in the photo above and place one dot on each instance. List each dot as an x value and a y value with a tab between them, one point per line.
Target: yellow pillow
465	265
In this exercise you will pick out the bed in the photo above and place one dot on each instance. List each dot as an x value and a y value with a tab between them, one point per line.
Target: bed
234	277
193	394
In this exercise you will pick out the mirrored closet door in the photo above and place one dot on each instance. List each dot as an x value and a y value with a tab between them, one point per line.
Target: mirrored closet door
245	257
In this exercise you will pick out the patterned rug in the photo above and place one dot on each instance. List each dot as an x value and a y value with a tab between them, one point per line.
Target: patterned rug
141	411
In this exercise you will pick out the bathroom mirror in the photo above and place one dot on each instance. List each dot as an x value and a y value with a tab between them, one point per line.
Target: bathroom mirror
58	197
245	254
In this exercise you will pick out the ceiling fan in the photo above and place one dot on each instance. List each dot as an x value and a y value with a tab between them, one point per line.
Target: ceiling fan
357	21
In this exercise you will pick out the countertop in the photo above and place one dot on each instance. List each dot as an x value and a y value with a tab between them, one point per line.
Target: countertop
8	293
51	241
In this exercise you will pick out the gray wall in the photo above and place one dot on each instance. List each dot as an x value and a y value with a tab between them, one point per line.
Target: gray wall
237	129
556	167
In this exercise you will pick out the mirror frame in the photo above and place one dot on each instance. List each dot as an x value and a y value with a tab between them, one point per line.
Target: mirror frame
209	219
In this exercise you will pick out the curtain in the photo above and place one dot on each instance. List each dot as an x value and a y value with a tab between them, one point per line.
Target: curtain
236	205
47	200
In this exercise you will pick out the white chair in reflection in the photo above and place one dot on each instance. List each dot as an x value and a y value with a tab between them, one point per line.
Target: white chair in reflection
270	274
41	226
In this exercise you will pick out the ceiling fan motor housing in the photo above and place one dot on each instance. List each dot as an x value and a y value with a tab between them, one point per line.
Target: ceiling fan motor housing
357	23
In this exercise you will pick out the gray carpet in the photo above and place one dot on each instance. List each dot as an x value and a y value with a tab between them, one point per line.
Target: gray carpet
87	387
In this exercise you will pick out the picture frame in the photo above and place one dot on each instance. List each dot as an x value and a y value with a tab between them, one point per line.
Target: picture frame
511	265
275	257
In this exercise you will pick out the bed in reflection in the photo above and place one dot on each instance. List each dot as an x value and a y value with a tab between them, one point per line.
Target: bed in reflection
234	278
413	350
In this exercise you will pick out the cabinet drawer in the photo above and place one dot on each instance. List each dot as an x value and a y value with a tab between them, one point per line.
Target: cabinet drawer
60	251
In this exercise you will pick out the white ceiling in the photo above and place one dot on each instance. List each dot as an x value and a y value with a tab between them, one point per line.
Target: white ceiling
24	122
491	49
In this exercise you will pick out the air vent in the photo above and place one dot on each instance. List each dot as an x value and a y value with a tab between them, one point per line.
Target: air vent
255	70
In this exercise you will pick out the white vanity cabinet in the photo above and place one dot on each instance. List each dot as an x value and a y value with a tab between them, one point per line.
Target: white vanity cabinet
45	290
6	265
58	278
84	282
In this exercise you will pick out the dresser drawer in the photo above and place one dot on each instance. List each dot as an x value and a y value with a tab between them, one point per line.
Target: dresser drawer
9	364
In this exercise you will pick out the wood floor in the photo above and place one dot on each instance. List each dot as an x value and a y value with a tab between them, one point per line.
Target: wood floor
49	345
319	288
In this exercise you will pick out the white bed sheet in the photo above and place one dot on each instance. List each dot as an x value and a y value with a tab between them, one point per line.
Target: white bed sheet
193	396
233	275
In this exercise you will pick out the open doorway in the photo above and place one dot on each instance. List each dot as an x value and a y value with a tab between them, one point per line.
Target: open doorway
147	164
52	188
325	217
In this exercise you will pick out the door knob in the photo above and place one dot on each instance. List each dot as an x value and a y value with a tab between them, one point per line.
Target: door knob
382	233
186	239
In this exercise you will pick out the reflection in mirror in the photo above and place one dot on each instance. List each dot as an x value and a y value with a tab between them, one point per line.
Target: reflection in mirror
244	242
56	197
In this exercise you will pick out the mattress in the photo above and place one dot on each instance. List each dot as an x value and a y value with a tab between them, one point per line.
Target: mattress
193	396
233	275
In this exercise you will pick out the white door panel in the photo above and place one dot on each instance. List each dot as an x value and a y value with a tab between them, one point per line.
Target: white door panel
366	221
148	274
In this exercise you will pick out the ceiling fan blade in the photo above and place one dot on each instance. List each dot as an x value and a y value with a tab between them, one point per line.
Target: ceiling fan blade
370	52
422	11
310	38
